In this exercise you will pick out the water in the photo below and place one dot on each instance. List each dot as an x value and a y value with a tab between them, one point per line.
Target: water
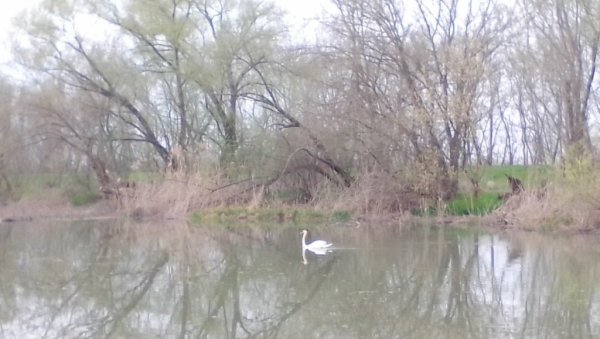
117	280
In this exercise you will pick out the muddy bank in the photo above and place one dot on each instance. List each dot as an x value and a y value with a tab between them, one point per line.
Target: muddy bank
31	210
28	210
40	209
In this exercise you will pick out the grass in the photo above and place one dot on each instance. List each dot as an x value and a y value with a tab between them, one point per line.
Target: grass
464	205
569	202
78	189
287	214
84	198
341	216
139	176
492	183
493	178
158	195
467	205
37	184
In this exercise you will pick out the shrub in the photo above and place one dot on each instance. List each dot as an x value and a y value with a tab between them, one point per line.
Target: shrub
568	203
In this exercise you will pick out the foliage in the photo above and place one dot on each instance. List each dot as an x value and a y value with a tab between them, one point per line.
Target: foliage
578	166
210	103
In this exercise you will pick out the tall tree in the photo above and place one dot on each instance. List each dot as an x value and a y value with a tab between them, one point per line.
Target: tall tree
561	47
57	49
422	77
176	72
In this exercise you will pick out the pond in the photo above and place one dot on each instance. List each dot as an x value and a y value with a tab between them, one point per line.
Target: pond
120	280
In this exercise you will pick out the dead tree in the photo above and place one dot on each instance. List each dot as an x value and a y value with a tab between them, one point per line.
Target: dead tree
516	185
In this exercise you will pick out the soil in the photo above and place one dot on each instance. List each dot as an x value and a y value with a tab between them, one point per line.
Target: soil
42	209
30	210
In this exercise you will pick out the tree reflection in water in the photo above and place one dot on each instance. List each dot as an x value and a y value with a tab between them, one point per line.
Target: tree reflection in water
105	280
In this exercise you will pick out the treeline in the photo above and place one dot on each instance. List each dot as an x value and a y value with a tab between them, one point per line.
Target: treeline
396	98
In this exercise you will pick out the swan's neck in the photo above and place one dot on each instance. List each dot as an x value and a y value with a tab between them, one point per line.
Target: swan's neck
303	240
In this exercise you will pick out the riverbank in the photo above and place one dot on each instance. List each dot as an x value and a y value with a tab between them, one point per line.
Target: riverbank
37	209
34	210
203	199
565	207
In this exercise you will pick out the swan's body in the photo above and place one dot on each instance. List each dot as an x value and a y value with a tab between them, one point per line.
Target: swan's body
319	251
318	246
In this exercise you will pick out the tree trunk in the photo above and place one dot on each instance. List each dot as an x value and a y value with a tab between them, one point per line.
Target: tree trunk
230	144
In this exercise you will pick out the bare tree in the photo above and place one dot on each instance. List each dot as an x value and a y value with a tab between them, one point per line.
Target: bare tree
176	73
427	81
560	51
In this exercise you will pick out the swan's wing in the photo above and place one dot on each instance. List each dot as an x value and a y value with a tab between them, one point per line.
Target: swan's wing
319	251
319	244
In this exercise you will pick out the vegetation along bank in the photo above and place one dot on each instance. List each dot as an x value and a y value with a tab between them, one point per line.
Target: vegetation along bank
198	109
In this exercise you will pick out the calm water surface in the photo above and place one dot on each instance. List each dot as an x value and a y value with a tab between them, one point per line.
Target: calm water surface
117	280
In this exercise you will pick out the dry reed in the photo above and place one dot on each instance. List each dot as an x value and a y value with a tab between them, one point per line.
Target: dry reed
566	205
53	204
177	195
373	193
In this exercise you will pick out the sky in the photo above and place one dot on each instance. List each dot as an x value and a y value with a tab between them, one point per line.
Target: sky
9	10
299	13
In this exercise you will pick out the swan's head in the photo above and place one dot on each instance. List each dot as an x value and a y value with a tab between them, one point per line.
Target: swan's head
304	232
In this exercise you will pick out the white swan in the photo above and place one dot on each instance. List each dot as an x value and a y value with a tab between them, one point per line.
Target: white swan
319	247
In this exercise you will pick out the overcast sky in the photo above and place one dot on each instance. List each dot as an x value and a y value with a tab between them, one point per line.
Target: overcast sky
299	13
9	9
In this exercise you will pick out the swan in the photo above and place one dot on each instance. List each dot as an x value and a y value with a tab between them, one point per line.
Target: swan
318	246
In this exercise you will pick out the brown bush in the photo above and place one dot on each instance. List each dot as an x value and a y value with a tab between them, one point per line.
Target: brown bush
567	204
374	192
177	195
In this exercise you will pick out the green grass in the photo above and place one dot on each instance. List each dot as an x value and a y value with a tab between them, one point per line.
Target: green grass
79	189
242	214
139	176
84	198
341	216
466	205
492	183
493	178
428	212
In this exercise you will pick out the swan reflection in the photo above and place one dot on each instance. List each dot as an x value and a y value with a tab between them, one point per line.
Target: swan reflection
318	247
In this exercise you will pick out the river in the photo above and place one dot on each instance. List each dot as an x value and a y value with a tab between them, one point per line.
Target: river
116	279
